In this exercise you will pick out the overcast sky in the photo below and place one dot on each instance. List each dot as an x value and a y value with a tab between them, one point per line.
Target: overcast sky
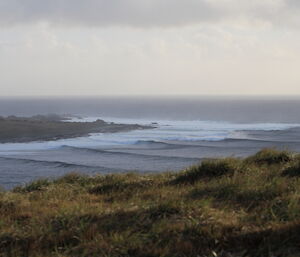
125	47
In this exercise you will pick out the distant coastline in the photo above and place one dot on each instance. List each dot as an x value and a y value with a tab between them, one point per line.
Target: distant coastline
54	127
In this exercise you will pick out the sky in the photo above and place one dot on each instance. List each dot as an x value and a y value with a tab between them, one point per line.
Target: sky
149	47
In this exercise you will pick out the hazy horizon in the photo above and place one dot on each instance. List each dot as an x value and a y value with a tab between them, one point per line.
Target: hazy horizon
217	108
235	96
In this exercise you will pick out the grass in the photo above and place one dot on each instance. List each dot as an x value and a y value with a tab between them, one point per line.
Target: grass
226	207
207	169
270	156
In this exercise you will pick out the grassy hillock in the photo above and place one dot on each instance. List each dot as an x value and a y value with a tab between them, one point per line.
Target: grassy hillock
227	207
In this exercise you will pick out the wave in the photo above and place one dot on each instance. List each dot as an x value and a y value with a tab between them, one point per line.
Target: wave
254	140
184	144
228	140
202	143
196	123
160	144
127	154
59	164
208	144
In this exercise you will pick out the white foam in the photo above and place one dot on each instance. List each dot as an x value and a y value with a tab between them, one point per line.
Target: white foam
166	130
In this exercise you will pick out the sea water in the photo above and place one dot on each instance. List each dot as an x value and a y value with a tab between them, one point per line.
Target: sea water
185	131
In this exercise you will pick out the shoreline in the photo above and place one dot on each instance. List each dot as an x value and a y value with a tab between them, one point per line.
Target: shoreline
42	128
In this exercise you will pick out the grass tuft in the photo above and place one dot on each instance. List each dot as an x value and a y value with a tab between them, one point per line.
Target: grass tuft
37	185
208	169
270	156
74	178
292	170
164	210
119	186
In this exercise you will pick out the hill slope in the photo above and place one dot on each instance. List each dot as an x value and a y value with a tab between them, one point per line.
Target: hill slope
226	207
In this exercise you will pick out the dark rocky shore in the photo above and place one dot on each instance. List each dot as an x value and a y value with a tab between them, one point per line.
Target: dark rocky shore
53	127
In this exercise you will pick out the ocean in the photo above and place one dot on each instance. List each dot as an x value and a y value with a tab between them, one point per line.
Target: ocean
188	130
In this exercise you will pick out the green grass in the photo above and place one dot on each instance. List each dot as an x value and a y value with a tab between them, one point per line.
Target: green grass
226	207
208	169
293	168
270	156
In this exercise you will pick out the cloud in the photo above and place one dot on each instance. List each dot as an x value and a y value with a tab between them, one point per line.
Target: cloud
144	13
107	12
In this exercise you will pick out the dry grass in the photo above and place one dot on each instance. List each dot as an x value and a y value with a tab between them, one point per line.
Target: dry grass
220	208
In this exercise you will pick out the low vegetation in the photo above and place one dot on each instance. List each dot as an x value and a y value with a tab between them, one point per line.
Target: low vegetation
227	207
